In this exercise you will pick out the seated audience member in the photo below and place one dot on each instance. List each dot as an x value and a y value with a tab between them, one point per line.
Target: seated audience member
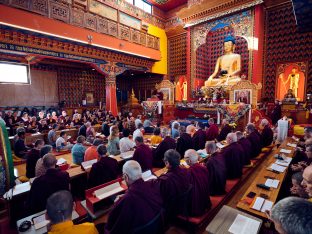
217	169
297	188
266	133
50	120
78	150
61	142
61	118
125	143
44	186
225	130
43	126
159	152
175	122
246	145
143	154
137	121
25	119
148	126
307	181
190	129
105	170
200	179
254	138
213	131
175	131
32	157
90	133
138	131
20	149
156	138
292	215
105	129
141	203
199	138
59	212
184	142
233	155
54	116
19	129
40	169
83	130
52	135
131	125
91	152
300	166
174	185
113	141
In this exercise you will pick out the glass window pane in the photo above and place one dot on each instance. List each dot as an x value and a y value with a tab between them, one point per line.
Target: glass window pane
147	7
139	4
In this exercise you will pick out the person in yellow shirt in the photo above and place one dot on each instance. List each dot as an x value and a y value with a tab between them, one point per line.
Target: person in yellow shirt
59	212
156	138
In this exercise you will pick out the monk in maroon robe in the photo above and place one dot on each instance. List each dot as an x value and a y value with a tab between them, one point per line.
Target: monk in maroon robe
266	133
255	140
159	152
245	145
143	154
140	204
199	138
200	180
233	157
213	131
174	185
184	142
105	170
225	130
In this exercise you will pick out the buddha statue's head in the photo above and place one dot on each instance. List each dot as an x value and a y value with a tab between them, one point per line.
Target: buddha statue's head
229	44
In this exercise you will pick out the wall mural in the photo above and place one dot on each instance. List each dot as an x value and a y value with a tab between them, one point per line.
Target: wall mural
207	45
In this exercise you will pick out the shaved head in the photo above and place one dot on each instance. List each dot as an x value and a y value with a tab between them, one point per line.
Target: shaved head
307	180
191	156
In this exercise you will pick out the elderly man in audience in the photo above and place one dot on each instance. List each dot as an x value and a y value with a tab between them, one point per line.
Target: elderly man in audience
246	145
148	126
225	130
292	215
217	169
52	181
254	137
143	154
266	133
156	138
78	150
190	129
59	212
52	135
91	152
307	181
62	142
213	131
234	157
141	204
166	144
32	157
125	143
199	138
184	142
297	189
174	185
201	183
105	170
40	169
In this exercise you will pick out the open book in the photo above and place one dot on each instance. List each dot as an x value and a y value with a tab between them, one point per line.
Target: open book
262	205
61	161
148	175
202	153
219	145
88	164
108	191
127	155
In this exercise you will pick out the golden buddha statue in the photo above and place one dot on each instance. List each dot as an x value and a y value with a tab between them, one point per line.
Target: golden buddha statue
133	99
229	64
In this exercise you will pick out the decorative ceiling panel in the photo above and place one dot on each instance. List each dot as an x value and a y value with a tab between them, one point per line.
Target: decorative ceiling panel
167	5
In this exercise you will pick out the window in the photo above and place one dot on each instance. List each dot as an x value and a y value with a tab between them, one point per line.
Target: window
142	5
14	73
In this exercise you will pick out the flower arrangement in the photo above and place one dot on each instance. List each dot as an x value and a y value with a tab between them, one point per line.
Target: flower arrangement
233	125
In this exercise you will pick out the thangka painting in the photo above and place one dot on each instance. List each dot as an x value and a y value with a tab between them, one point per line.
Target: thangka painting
207	45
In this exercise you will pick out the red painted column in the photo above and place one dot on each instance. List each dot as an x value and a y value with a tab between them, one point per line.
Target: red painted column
111	98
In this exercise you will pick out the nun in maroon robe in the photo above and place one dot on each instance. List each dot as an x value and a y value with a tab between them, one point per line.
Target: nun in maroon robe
225	130
266	136
184	142
233	160
141	203
246	145
212	132
199	197
217	171
143	154
159	152
199	138
255	141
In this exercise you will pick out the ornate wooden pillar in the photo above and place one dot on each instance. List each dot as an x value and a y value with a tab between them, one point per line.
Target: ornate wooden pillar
110	70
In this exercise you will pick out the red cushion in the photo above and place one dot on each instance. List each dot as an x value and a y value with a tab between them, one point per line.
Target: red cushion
230	184
216	200
246	169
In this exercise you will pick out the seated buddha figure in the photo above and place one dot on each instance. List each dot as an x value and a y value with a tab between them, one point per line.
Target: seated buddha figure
229	66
